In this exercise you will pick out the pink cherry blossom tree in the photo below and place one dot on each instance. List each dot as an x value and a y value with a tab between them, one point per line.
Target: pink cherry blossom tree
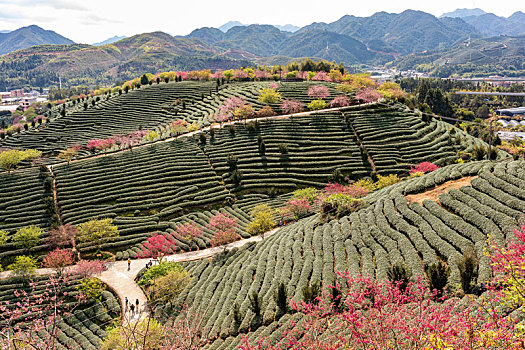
341	101
368	95
322	76
223	228
318	91
423	167
291	106
217	75
157	247
189	231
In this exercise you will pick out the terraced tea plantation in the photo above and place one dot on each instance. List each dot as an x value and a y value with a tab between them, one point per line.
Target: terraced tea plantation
395	138
153	188
149	108
82	326
390	230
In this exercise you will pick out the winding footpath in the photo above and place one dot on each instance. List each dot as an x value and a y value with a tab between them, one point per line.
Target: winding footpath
213	126
122	280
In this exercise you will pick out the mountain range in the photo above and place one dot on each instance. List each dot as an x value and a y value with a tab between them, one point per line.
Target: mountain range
29	36
111	40
285	28
408	39
500	55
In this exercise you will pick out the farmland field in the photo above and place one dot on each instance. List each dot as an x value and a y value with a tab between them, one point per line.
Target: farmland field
367	242
233	167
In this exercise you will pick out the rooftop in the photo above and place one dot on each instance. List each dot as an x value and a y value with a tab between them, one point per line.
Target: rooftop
511	111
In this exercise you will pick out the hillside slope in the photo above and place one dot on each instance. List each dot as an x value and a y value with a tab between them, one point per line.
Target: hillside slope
191	175
29	36
122	60
368	242
407	32
502	55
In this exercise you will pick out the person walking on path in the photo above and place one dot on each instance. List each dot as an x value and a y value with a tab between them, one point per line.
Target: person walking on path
129	264
132	307
127	301
137	303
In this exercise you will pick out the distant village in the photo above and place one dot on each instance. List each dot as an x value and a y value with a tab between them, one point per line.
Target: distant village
13	99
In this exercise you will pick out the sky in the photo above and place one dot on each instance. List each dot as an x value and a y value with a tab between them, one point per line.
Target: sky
90	21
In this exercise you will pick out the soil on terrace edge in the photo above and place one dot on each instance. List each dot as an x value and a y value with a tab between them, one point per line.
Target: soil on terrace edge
434	193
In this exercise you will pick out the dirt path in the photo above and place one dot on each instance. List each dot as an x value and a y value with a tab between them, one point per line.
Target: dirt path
434	193
122	280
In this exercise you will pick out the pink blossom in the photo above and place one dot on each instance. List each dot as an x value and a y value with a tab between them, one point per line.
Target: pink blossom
318	91
217	74
302	75
261	74
87	268
322	76
240	74
424	167
100	144
295	208
189	230
274	86
341	101
368	95
352	190
158	246
291	106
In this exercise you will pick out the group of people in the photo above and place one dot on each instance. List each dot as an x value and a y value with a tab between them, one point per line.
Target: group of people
132	306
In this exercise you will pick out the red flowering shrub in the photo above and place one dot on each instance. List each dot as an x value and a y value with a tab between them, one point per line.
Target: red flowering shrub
424	167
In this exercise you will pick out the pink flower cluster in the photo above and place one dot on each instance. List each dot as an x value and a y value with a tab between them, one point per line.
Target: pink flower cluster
322	76
295	208
424	167
217	74
100	144
368	95
352	190
121	140
158	246
240	74
318	91
261	74
229	106
189	230
341	101
291	106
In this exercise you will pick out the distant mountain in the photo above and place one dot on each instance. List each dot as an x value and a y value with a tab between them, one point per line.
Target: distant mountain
502	55
407	32
287	28
517	17
491	25
29	36
460	13
326	45
227	26
268	41
5	31
208	34
124	59
110	40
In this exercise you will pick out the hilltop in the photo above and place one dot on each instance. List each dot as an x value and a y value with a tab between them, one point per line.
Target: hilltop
29	36
500	55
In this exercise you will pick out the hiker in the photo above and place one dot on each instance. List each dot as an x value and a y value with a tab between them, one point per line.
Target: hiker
137	303
127	303
132	307
129	264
